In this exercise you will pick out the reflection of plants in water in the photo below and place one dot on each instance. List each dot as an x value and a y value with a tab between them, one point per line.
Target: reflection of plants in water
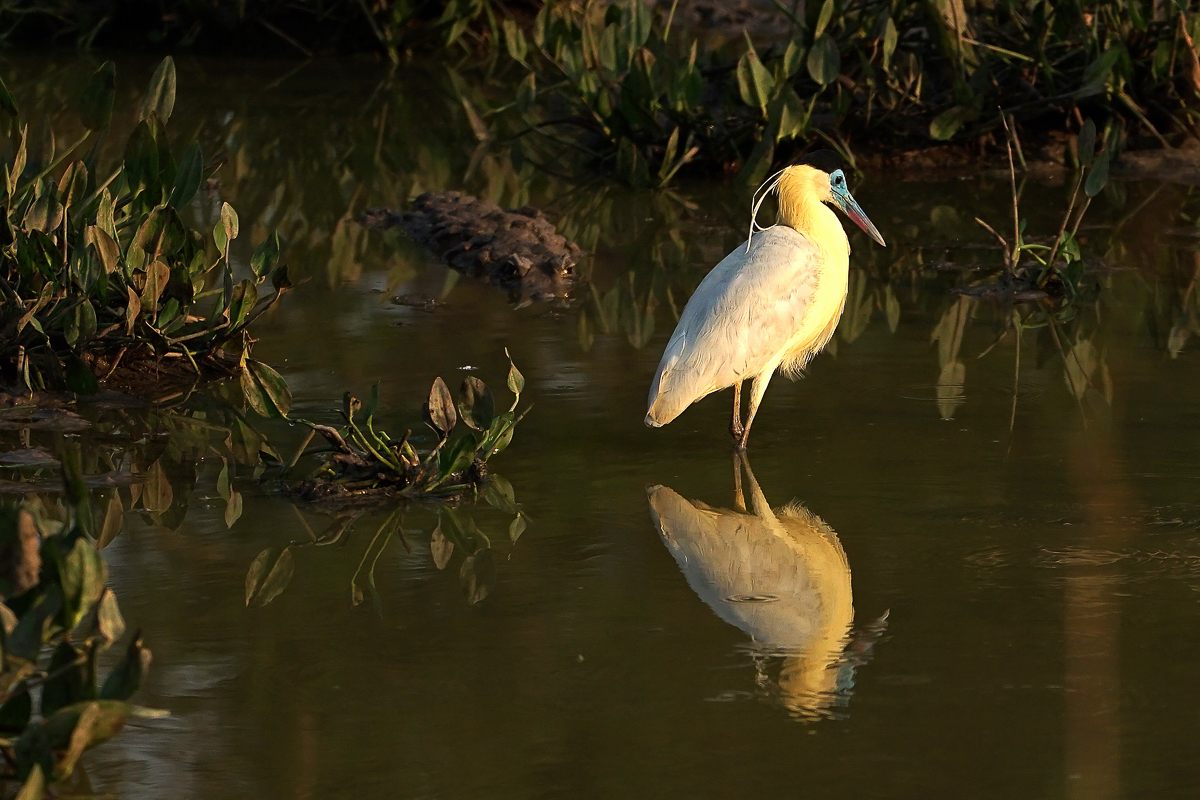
58	616
454	531
143	459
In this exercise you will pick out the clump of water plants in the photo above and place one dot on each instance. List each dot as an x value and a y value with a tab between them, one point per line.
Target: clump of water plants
1035	267
633	86
363	463
57	617
103	283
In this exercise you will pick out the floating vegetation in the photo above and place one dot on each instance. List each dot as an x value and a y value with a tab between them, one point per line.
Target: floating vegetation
104	284
58	615
363	464
518	249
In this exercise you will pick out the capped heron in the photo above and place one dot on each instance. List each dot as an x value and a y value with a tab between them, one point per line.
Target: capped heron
772	303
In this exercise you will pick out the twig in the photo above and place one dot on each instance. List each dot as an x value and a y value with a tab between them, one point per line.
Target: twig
307	53
1012	171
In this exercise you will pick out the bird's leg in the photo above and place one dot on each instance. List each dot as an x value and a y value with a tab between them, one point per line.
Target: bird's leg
735	422
739	501
757	389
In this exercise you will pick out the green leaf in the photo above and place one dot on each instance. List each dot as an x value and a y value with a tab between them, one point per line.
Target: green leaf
1087	142
527	93
793	58
82	574
947	123
516	381
96	103
141	158
824	59
160	94
475	405
1097	176
187	177
128	674
253	394
793	121
890	39
636	26
516	528
1096	74
226	230
755	84
233	508
274	387
457	456
439	409
514	40
242	301
266	255
269	575
824	19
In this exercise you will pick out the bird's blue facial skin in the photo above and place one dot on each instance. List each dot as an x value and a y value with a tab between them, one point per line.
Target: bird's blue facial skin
840	193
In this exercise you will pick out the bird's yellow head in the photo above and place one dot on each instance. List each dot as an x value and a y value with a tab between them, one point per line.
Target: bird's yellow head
802	187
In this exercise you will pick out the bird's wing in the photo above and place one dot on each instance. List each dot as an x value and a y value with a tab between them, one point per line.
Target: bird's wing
743	314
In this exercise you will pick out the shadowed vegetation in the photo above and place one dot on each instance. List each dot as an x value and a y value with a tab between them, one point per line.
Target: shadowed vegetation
58	616
104	283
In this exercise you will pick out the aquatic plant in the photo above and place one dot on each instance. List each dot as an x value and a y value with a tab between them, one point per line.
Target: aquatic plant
58	615
634	83
1035	265
361	462
103	282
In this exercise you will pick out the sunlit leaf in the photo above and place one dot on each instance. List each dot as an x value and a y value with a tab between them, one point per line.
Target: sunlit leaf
439	409
947	123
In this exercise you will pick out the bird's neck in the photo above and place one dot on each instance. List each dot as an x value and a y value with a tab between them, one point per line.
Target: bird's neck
818	222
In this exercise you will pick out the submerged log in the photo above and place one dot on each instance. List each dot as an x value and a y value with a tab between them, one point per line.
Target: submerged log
518	249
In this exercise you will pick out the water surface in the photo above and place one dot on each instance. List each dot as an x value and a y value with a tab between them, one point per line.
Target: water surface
1013	613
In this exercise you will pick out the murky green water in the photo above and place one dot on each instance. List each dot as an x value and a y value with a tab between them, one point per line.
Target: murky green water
978	602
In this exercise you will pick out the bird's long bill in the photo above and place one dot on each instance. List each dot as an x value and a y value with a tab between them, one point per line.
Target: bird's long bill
847	203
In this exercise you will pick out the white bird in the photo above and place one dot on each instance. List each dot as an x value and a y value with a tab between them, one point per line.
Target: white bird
771	304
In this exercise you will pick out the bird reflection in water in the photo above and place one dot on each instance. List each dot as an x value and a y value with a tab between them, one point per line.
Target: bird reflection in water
782	577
